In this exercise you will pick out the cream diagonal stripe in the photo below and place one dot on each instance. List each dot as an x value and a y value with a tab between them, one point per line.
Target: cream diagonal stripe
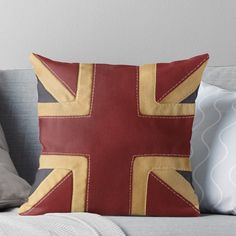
44	188
48	79
186	88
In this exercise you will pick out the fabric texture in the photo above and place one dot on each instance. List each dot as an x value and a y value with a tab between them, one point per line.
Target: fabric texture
115	138
72	224
213	149
13	189
18	116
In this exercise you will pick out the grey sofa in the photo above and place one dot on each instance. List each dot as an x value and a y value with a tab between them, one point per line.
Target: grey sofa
18	116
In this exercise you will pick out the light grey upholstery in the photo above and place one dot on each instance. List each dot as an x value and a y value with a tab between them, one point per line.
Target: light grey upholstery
221	76
206	225
18	115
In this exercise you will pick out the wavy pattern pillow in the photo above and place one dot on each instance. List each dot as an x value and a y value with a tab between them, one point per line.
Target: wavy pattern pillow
115	138
214	150
13	189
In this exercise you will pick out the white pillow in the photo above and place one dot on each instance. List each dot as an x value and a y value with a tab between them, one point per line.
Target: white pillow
213	147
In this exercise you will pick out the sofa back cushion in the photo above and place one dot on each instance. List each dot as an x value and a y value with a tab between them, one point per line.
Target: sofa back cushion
18	116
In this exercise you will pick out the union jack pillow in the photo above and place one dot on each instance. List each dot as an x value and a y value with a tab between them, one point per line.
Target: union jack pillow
115	138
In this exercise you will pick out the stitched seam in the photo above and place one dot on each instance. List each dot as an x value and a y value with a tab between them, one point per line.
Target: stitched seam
137	91
168	117
131	171
174	192
184	78
88	184
49	193
65	153
57	76
161	154
152	116
93	89
130	183
144	116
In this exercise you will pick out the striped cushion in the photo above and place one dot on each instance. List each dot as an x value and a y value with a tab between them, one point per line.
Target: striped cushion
115	138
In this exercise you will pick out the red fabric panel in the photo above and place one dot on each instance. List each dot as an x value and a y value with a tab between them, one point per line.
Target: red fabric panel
162	200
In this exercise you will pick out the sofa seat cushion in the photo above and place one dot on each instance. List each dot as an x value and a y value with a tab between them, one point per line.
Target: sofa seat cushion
205	225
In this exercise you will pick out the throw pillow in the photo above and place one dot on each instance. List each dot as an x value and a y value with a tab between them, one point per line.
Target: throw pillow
115	138
213	149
